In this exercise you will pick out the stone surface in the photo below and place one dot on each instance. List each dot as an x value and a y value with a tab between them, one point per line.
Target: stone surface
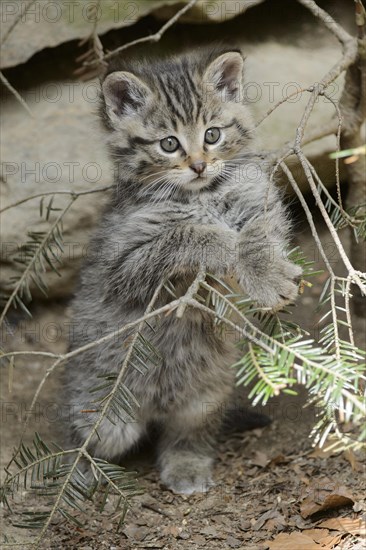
48	24
59	149
62	146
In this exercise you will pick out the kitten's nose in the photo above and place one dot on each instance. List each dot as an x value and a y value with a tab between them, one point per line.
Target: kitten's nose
198	166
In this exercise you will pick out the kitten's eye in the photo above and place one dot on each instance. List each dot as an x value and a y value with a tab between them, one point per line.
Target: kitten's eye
169	144
212	135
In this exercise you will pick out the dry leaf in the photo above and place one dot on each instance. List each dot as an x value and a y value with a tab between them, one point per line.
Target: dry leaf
260	459
136	533
209	531
321	452
283	541
359	506
171	530
331	540
279	459
321	499
232	542
317	534
346	525
273	515
352	459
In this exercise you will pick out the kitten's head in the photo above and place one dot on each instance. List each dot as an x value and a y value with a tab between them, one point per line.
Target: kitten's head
178	124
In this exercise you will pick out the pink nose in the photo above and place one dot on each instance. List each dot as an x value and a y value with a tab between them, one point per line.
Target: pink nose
198	167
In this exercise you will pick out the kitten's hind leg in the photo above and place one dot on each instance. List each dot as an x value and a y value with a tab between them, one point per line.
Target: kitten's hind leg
186	450
111	443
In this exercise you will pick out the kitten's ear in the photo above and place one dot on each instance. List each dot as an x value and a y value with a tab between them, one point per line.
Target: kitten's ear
225	74
124	94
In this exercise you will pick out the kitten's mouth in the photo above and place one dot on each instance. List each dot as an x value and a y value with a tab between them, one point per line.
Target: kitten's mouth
197	183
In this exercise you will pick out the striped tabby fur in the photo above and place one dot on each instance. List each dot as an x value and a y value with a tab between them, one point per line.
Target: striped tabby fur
204	202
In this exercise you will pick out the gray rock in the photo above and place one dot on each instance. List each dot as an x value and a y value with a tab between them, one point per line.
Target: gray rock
50	23
62	147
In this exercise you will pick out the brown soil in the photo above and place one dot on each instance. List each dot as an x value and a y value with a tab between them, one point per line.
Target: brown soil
262	476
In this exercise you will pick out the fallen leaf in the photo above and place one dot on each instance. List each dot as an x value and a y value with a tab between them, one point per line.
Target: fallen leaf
285	541
260	459
270	514
322	452
233	542
324	498
279	459
136	533
171	530
352	459
331	540
209	531
317	534
355	526
184	535
275	524
358	506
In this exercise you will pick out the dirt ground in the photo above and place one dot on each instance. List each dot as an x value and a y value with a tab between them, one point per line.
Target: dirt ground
267	480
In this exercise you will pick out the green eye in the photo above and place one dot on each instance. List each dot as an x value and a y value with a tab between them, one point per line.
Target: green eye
212	135
169	144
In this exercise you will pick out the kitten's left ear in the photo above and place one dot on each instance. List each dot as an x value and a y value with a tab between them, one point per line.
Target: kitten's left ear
225	73
124	95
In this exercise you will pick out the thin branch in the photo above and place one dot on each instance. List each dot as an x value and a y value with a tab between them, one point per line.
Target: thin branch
61	192
334	320
34	353
277	343
308	214
153	37
348	312
338	148
283	100
103	413
331	228
193	289
21	14
34	260
328	21
168	308
276	388
360	19
16	94
320	133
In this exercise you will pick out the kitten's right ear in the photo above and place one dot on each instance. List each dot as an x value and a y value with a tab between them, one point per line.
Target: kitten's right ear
225	73
124	94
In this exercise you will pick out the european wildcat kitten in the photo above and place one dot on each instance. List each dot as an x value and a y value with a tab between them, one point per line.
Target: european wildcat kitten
178	133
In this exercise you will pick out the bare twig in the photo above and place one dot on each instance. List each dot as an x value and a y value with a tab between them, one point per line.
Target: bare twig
155	509
24	9
153	37
16	94
283	100
351	270
193	289
61	192
339	130
353	109
328	21
309	217
347	296
95	54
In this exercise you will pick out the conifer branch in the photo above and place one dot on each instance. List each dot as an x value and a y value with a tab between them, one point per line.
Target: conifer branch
35	264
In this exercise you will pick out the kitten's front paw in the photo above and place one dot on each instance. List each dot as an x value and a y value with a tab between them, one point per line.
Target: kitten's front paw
188	476
278	288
